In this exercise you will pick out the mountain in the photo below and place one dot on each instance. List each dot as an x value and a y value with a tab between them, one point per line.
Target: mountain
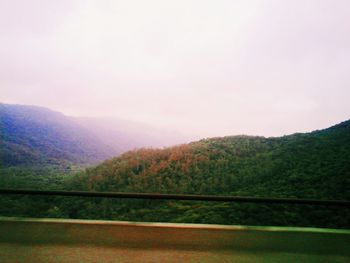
308	165
302	165
35	136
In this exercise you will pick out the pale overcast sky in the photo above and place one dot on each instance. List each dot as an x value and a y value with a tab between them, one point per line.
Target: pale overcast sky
211	68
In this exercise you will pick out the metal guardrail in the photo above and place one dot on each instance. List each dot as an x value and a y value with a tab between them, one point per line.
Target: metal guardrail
240	199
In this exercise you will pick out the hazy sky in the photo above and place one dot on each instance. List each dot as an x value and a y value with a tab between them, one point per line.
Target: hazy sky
210	68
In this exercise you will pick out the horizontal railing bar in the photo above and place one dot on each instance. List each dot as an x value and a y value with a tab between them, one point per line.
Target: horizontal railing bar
241	199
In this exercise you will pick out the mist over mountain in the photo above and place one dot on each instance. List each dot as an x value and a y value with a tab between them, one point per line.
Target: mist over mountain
32	135
125	135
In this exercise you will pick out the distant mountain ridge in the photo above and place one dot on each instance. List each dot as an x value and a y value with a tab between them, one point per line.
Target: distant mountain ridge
32	135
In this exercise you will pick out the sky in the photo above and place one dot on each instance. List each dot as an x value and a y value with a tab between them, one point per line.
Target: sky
208	68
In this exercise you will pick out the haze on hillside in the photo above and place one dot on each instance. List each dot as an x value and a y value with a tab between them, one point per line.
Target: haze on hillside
207	68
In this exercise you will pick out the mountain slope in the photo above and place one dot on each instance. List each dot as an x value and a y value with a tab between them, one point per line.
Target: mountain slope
309	165
37	136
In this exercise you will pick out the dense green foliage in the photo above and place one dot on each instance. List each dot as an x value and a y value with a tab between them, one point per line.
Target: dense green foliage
43	178
310	165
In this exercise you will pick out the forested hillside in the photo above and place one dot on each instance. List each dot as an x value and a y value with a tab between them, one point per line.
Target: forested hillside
310	165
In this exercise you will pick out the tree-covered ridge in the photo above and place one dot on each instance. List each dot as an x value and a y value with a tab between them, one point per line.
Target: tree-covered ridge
310	165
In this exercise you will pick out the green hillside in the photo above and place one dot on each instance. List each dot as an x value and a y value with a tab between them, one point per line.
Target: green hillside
309	165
